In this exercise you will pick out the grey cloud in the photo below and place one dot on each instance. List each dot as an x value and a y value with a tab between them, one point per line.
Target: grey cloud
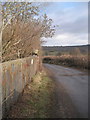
80	26
73	21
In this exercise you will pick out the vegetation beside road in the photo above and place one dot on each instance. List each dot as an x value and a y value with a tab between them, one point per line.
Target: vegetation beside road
36	101
72	56
80	61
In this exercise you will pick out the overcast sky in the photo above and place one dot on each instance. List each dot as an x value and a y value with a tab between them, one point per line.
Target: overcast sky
72	17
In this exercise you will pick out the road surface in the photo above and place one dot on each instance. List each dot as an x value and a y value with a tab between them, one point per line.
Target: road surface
75	83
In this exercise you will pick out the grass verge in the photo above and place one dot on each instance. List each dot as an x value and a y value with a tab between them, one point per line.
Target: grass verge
36	101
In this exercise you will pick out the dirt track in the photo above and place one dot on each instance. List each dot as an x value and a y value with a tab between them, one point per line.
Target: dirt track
71	91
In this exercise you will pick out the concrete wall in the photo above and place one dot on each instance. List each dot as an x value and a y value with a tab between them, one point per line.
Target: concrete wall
0	60
0	91
15	75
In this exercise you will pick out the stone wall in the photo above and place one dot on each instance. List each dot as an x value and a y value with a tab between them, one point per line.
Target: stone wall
15	75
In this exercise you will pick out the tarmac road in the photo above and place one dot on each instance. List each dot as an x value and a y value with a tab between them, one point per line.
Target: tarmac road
75	83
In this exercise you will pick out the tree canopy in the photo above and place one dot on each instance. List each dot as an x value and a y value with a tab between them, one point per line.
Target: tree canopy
23	28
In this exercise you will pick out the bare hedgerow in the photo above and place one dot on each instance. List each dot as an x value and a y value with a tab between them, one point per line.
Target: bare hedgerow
22	32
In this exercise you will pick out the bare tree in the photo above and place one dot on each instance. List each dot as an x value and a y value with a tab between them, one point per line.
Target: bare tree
22	32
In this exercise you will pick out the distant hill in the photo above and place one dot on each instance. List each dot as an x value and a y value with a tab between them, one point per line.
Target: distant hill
65	49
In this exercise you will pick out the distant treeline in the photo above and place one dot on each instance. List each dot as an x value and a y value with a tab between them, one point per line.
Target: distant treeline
59	50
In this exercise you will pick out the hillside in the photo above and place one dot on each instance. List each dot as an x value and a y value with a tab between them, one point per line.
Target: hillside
55	50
